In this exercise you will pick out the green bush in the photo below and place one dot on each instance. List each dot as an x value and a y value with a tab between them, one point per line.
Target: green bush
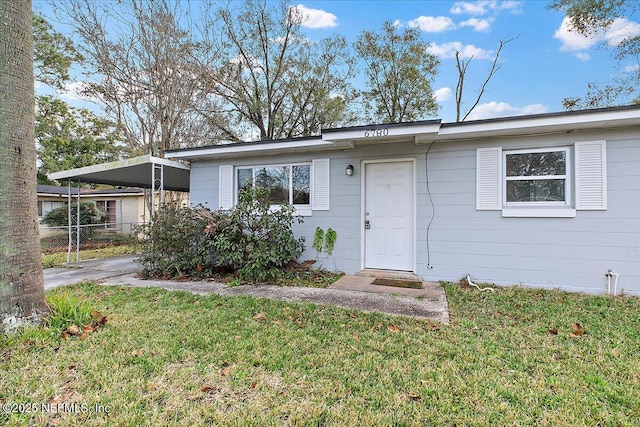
176	245
254	239
90	214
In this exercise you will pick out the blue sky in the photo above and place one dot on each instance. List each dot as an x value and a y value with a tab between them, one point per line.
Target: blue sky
543	65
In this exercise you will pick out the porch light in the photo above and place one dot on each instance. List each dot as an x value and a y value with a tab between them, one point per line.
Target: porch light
349	170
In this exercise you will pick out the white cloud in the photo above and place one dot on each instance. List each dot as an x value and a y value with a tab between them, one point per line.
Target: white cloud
448	50
432	24
631	68
470	8
73	91
316	18
501	109
482	7
583	56
620	29
477	24
397	23
571	39
443	94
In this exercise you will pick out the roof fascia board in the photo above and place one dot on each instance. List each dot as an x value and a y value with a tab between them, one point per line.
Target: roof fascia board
547	124
381	132
232	150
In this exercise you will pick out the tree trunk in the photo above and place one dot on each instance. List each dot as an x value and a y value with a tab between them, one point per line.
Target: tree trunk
21	281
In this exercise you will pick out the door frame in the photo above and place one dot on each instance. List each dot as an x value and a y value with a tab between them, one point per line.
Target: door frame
363	166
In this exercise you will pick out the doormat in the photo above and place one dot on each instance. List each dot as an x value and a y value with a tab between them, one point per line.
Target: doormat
413	284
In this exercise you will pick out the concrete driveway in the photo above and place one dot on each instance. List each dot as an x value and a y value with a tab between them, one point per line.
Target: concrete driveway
430	304
97	270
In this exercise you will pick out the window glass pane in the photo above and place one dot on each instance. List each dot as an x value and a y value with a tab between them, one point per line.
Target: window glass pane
276	179
301	184
540	190
245	176
536	164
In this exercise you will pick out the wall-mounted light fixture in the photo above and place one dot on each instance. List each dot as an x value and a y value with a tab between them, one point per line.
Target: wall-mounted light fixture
349	170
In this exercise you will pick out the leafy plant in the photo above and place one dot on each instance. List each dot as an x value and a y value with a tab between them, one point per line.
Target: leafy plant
176	245
90	214
325	242
254	239
66	310
330	240
318	239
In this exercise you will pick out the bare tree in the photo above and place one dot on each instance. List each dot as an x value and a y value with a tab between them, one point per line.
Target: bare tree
461	66
148	68
275	81
21	281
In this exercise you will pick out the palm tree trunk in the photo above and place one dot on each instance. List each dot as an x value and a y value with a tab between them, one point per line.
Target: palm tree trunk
21	281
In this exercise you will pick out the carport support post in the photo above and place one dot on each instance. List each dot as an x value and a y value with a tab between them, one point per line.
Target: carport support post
69	218
78	226
160	167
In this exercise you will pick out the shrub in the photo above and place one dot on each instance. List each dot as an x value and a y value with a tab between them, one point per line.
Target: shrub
67	310
176	244
90	214
255	239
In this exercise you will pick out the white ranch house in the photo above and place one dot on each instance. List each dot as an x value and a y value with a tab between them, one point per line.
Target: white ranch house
549	200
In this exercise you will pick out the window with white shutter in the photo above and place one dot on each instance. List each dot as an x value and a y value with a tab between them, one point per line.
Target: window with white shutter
591	175
225	187
489	178
320	184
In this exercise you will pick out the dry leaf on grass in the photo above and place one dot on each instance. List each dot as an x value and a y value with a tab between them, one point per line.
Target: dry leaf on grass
136	353
577	330
553	331
254	384
414	396
260	317
206	388
393	328
73	330
225	371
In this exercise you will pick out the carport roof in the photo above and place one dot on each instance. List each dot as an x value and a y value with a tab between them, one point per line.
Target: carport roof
135	172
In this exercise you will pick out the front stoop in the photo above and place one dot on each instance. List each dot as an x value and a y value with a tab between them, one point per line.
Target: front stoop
429	302
389	274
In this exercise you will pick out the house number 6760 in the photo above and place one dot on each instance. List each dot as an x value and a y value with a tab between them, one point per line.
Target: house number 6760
371	133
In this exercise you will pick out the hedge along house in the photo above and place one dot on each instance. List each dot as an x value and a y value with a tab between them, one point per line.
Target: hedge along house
549	200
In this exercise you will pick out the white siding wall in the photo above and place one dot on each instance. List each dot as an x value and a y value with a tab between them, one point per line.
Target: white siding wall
570	253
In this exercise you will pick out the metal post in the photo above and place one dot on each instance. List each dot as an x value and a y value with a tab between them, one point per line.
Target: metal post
152	197
161	185
78	226
69	218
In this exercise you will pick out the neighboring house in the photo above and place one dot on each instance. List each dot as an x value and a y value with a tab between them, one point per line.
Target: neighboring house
125	207
549	200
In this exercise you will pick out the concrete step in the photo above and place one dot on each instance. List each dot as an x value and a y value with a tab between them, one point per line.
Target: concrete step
389	274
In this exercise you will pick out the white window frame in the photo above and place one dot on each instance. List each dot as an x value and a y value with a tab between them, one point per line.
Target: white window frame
566	177
300	209
559	209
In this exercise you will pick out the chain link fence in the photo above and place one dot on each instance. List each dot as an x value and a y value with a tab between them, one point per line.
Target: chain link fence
95	236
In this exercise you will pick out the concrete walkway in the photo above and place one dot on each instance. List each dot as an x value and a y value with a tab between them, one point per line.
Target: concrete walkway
349	292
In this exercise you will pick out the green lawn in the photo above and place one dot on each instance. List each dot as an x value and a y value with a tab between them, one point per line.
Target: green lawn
168	358
58	258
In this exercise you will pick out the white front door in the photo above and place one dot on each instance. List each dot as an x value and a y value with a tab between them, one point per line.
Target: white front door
389	218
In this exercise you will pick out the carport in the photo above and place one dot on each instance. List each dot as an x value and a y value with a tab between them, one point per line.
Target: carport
148	172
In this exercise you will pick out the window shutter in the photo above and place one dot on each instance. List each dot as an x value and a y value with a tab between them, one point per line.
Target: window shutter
489	178
225	187
591	175
320	185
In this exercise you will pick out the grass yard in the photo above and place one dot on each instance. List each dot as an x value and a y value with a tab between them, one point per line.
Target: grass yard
168	358
58	258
